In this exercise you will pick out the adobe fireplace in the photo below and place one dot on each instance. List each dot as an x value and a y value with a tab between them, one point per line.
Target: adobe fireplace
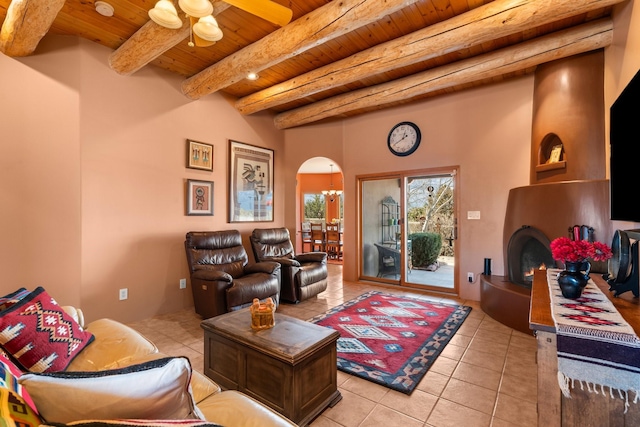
549	210
567	119
528	250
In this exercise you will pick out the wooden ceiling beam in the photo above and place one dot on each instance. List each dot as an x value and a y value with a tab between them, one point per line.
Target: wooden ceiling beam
26	23
151	41
562	44
324	23
496	19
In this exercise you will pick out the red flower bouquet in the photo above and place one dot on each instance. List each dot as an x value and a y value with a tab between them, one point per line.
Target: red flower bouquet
567	250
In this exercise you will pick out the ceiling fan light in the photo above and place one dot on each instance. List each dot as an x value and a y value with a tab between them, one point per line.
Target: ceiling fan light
196	8
209	20
207	29
165	14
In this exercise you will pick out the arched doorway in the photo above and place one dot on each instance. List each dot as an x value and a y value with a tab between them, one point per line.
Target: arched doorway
320	200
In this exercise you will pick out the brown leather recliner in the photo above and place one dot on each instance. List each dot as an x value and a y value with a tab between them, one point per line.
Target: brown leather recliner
222	279
303	275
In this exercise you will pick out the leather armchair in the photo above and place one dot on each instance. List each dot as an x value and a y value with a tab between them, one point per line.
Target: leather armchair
222	279
303	275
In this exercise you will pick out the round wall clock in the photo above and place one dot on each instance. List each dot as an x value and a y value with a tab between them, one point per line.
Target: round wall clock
404	138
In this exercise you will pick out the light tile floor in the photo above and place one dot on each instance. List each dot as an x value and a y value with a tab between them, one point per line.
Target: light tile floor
485	377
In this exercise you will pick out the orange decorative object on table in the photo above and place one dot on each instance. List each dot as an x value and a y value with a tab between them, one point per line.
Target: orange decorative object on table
262	314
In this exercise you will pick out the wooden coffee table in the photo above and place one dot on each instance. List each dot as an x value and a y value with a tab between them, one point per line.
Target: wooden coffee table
290	367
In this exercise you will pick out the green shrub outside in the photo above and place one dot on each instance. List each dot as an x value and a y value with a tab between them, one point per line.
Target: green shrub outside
425	249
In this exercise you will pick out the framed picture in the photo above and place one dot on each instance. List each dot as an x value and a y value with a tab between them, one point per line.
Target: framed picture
199	197
199	155
556	153
250	183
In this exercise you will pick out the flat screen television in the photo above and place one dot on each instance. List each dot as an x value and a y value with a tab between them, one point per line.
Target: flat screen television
624	162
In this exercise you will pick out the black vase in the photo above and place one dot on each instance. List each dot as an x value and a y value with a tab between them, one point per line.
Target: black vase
574	278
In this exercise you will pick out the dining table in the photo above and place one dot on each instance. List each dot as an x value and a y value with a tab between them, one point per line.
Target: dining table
318	241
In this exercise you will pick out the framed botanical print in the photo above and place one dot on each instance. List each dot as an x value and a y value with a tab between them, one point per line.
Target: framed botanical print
250	183
199	155
199	197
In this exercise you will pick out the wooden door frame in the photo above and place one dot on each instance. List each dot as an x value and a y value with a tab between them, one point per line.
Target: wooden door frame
454	171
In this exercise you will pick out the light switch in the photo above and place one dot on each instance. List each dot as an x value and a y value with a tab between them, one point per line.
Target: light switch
473	214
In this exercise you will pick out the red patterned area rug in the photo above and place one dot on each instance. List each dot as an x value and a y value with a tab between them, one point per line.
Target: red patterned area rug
389	339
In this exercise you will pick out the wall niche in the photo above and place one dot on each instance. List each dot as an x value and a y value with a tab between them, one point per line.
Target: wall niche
551	154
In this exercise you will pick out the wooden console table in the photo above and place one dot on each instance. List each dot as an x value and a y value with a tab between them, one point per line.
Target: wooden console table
290	367
583	409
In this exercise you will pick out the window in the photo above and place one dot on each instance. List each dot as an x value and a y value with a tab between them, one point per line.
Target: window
314	207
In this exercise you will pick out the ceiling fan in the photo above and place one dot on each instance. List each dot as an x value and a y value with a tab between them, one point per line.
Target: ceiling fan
205	30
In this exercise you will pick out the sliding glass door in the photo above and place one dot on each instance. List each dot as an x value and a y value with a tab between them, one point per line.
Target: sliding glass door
431	229
380	224
408	228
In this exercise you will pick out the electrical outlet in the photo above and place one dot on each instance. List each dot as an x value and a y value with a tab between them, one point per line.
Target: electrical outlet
123	294
183	283
470	277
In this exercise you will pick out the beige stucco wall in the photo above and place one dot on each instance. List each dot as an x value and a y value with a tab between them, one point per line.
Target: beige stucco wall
485	131
93	177
40	194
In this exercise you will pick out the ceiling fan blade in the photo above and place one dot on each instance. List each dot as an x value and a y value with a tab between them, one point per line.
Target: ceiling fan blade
265	9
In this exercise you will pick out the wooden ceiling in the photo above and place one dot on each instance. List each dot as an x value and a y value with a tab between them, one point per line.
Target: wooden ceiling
335	58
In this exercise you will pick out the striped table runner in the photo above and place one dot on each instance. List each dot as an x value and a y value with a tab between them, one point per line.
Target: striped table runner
596	347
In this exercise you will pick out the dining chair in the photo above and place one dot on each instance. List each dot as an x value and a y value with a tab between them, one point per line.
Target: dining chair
317	237
333	241
305	230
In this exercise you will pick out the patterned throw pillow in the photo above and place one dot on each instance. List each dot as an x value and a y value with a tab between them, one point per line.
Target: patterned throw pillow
40	335
14	412
11	299
158	389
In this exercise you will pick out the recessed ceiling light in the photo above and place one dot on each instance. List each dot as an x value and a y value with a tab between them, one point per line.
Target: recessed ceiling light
104	8
252	76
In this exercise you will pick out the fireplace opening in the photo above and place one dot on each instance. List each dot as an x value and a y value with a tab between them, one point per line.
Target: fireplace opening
528	250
